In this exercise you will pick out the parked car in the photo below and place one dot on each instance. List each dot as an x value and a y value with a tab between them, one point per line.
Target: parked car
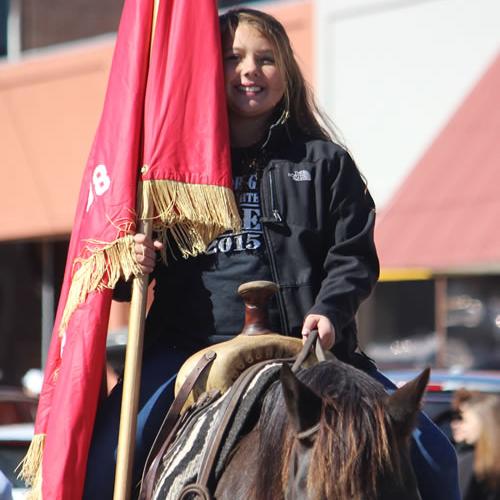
14	442
17	416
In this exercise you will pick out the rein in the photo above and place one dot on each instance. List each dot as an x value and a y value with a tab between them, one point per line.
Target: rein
320	354
306	349
311	431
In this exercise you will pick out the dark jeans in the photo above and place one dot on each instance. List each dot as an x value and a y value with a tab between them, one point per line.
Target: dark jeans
160	365
433	456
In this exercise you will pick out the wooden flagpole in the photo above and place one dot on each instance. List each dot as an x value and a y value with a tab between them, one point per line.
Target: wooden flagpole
131	383
133	356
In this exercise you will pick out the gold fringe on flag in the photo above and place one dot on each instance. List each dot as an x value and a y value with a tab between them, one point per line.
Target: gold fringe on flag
31	467
192	214
105	266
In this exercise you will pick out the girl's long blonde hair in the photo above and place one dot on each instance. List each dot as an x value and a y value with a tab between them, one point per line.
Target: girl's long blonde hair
487	449
487	446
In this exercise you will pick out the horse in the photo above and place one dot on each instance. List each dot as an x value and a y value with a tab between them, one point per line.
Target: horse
331	432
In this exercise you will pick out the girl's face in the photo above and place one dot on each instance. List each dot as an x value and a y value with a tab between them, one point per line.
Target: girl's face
254	84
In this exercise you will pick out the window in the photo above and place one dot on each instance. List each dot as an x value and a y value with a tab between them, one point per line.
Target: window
4	9
473	319
397	324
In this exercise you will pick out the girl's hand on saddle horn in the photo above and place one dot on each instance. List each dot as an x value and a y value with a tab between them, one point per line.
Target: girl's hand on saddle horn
326	331
145	252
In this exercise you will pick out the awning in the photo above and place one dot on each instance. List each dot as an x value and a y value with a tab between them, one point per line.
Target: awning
444	218
49	107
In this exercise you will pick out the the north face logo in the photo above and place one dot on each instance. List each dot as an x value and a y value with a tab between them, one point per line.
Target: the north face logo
300	175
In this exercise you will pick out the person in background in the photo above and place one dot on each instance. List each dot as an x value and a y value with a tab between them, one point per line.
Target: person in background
476	430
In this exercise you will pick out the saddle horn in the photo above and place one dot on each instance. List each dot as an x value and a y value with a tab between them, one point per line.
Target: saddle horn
256	296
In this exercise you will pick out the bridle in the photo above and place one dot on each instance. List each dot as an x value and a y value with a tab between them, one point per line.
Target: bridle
307	434
293	472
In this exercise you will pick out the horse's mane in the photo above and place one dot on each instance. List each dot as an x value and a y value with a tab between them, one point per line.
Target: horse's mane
353	445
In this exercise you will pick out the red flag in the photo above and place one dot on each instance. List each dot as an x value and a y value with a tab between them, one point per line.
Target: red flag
164	124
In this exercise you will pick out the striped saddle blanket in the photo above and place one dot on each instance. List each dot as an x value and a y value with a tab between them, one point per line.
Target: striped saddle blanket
180	465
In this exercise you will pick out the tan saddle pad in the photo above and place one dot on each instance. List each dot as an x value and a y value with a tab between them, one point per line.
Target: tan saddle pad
233	357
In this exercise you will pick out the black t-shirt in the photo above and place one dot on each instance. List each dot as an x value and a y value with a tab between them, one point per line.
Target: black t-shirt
196	301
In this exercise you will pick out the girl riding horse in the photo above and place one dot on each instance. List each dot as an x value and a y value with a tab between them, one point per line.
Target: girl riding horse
307	224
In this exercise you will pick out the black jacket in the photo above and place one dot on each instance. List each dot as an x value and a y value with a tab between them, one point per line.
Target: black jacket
318	221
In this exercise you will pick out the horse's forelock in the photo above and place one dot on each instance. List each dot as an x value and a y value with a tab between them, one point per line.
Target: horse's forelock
355	443
356	440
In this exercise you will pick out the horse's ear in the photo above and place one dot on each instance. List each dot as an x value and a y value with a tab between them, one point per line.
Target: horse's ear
403	405
302	403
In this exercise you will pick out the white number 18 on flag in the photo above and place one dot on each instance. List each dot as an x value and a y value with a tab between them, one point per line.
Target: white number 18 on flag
99	185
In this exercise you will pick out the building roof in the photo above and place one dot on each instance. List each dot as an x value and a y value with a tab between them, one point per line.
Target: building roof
445	216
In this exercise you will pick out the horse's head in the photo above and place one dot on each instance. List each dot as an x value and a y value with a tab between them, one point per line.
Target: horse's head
347	438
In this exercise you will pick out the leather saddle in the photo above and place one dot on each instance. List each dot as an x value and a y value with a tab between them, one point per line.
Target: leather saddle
255	343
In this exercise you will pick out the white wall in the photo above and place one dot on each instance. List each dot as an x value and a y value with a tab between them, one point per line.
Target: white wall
390	74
